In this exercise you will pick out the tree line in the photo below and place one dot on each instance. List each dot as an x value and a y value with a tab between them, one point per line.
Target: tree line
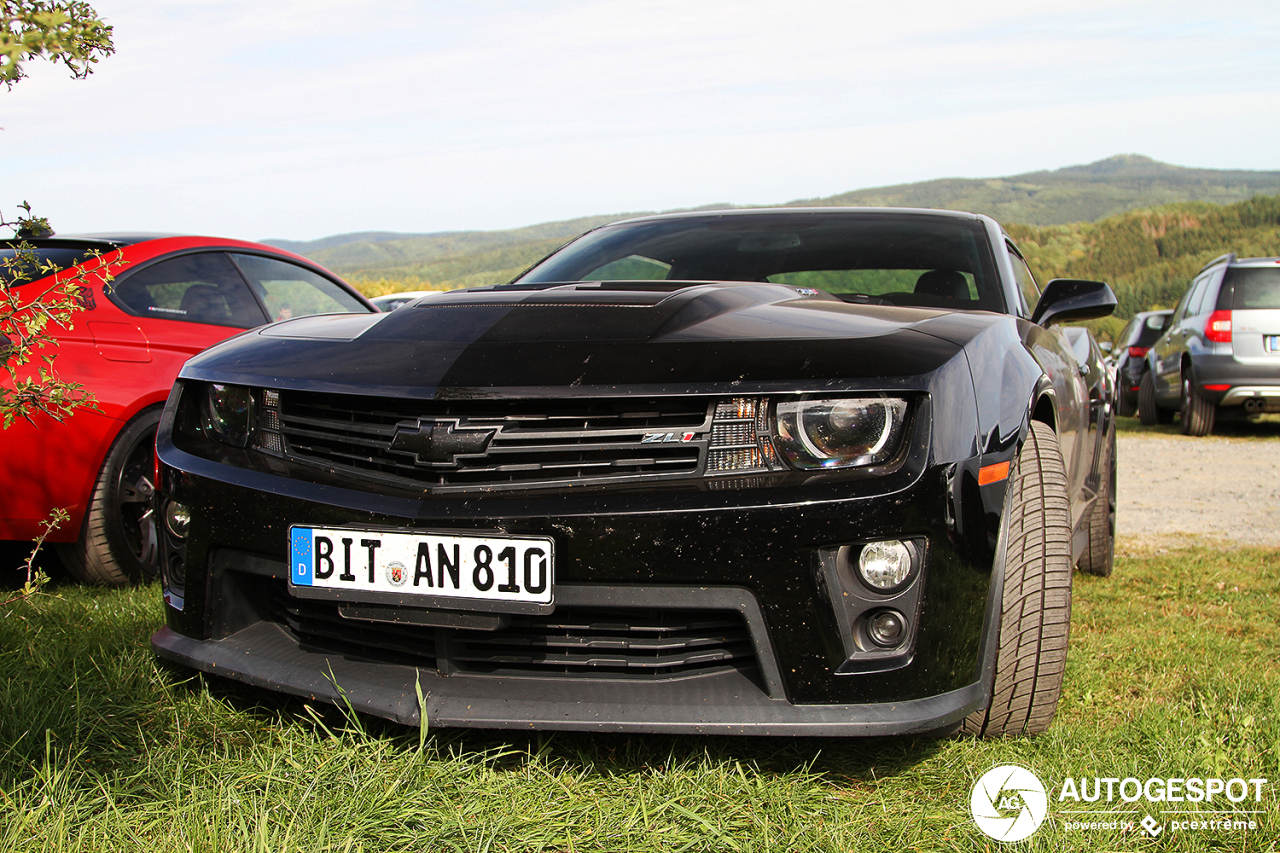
1149	256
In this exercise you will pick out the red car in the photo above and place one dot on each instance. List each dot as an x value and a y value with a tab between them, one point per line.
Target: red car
171	298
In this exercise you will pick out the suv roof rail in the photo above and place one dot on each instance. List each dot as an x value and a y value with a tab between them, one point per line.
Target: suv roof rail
1229	257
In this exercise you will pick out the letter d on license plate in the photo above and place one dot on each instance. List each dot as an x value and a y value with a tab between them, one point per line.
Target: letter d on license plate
490	572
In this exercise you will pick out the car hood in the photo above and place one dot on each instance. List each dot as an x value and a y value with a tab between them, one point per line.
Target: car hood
593	336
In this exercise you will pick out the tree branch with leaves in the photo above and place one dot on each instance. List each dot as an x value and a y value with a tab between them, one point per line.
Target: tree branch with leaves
69	32
30	317
66	31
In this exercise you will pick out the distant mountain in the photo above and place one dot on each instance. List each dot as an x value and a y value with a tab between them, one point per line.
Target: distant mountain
1072	194
367	253
305	247
385	261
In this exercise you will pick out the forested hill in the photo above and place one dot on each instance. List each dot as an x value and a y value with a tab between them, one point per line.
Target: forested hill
371	253
1145	227
1149	256
1074	194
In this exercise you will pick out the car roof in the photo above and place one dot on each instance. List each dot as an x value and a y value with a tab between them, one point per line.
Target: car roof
110	241
773	211
1230	259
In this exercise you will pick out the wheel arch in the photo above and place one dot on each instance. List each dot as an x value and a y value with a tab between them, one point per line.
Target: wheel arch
1044	410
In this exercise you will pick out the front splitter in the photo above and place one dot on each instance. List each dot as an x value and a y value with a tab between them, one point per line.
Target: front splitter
265	655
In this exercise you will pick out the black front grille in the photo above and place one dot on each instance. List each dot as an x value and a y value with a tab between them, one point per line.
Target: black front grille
583	641
494	444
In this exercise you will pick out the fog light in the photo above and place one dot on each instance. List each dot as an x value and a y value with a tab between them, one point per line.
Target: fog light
885	628
177	517
885	565
177	573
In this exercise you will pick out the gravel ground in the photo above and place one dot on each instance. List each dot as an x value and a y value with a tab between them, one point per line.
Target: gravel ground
1175	490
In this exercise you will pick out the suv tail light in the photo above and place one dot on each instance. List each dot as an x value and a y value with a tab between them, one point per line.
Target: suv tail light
1218	329
1138	352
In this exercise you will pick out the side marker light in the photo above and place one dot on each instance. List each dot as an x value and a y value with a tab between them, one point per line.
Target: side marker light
989	474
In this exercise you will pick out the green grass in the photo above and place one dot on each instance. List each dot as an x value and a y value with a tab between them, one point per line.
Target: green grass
1173	671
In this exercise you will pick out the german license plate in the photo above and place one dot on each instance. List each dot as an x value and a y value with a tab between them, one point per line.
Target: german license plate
1273	343
484	571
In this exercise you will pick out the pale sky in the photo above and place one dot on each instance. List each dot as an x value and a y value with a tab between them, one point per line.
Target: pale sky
301	119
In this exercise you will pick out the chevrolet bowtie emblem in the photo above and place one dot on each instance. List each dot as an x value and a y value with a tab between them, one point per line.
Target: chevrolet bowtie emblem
440	442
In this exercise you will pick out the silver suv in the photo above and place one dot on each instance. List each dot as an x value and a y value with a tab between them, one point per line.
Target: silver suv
1221	350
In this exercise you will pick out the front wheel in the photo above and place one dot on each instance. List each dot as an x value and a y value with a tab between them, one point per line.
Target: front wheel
1036	603
118	542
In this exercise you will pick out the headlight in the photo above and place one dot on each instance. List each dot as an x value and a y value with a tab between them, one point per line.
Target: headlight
225	413
840	433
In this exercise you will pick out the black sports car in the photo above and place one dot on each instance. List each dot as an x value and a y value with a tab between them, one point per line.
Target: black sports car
771	471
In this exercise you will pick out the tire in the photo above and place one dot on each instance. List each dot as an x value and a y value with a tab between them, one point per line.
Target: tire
1197	412
1125	407
1035	616
1100	556
118	542
1149	411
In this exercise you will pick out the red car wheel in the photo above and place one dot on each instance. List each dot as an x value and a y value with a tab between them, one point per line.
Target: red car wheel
118	543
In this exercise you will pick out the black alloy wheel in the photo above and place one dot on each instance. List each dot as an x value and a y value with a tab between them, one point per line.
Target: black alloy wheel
119	543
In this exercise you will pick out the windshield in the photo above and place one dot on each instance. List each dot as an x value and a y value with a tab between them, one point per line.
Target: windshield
903	259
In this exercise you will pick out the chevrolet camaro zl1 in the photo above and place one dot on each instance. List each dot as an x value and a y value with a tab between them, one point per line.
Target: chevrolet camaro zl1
802	471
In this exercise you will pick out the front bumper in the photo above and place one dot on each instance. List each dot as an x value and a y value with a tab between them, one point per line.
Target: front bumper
266	654
763	554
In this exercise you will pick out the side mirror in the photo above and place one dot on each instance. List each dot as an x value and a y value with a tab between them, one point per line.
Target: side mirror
1105	346
1066	300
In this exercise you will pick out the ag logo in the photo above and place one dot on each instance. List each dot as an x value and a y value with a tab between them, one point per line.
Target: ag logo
396	574
1008	803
